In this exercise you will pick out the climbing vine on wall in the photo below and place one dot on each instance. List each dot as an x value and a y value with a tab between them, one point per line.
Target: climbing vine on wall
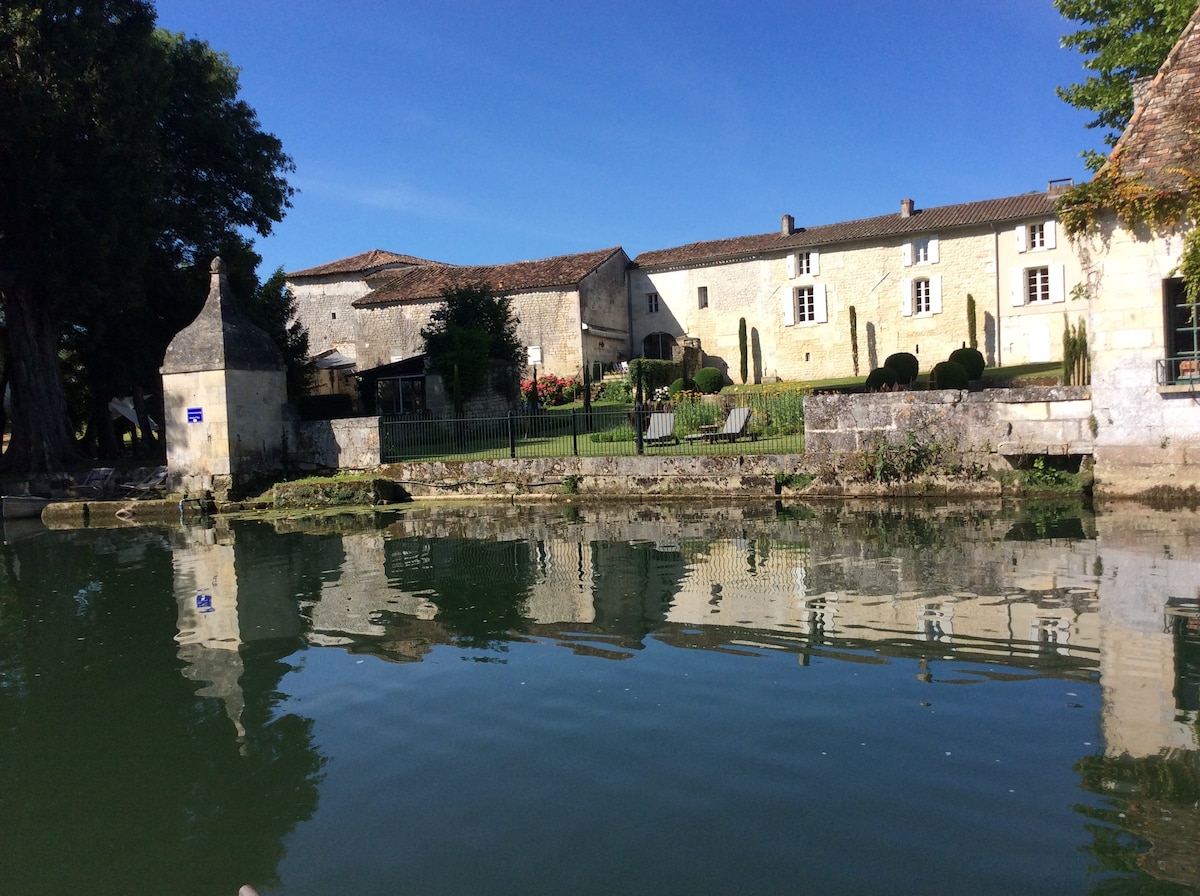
1137	205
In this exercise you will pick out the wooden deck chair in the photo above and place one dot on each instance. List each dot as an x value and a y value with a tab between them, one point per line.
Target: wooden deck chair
661	429
97	484
735	424
153	483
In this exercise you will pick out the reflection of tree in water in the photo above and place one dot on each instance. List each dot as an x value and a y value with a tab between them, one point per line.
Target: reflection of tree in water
1148	833
480	588
117	777
634	586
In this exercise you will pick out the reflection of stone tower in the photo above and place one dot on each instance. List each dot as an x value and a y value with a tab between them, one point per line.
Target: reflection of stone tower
224	391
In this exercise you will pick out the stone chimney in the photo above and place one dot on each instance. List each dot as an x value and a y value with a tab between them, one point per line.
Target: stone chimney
906	208
787	225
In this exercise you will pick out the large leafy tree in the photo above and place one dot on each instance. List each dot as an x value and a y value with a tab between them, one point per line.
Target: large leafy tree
126	161
1122	40
473	328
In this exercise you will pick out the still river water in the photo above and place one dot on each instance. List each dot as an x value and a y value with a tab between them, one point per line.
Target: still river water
829	699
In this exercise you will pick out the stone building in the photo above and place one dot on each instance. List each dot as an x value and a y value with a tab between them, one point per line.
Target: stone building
1144	334
906	275
225	398
572	309
324	295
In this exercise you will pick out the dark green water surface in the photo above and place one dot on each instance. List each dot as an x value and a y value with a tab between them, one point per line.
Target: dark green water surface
761	699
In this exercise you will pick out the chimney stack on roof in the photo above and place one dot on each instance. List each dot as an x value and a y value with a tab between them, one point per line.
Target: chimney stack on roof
787	225
906	208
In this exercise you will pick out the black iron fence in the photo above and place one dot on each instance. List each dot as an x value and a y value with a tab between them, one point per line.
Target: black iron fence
1181	370
607	432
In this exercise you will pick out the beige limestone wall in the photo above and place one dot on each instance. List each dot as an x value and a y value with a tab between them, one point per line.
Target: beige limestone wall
387	333
1042	420
1031	333
1147	436
197	451
876	280
324	308
236	431
549	319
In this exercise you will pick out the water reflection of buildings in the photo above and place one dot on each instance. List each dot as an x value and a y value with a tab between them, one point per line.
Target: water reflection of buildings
1091	599
223	605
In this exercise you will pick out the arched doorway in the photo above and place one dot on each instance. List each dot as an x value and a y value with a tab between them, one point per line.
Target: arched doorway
659	346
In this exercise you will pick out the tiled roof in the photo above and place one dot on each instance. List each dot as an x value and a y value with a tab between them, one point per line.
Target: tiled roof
428	281
363	263
1162	138
928	220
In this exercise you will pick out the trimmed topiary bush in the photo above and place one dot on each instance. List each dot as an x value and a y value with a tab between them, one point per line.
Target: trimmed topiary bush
971	359
680	385
906	366
709	380
948	375
880	378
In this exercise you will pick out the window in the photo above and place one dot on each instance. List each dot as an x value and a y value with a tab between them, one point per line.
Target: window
921	295
652	303
1183	334
702	296
1035	237
803	264
1037	285
923	250
806	305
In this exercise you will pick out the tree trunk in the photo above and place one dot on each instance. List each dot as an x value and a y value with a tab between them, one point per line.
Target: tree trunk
42	440
143	415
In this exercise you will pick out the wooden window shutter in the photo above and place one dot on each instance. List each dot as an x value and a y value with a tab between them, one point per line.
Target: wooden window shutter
935	294
1058	285
1018	287
1050	244
906	304
933	250
906	253
791	266
820	307
789	307
1022	233
814	259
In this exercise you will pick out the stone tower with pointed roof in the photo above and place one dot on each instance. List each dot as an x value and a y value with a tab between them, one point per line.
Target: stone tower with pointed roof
225	397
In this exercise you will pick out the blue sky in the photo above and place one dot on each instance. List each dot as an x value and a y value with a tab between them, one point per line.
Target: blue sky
486	132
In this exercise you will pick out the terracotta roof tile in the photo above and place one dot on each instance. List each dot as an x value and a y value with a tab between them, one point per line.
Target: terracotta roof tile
364	263
1162	138
929	220
428	281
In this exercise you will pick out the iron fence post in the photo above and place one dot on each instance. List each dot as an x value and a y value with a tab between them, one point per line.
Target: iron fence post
512	435
574	435
637	429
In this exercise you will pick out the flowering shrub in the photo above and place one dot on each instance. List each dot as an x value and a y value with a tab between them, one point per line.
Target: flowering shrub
551	390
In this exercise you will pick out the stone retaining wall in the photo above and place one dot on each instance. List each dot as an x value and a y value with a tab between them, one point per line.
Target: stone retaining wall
994	422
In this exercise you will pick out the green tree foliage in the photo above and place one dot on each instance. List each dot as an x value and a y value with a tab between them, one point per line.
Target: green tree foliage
114	196
273	308
1122	40
972	329
854	338
743	351
473	328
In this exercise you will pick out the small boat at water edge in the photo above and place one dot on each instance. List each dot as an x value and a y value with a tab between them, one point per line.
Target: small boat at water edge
22	507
